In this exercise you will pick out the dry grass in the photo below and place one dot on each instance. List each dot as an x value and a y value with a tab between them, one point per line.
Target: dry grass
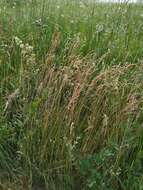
71	121
74	110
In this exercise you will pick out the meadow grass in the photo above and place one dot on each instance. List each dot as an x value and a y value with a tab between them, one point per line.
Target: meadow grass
71	95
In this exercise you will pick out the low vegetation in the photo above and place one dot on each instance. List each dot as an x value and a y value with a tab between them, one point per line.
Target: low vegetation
71	101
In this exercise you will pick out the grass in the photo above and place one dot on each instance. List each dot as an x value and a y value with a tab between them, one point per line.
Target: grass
71	99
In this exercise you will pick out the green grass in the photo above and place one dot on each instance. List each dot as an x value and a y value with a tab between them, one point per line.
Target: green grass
71	100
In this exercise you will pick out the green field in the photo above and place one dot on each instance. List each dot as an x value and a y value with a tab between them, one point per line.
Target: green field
71	95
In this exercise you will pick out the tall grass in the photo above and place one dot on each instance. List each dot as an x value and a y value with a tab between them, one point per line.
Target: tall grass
71	95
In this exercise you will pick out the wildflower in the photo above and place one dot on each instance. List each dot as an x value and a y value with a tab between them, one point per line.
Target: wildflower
72	21
81	5
17	40
99	28
62	15
94	64
28	47
38	22
21	46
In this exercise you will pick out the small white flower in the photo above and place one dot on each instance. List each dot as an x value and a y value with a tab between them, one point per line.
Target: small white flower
38	21
72	21
81	5
99	28
17	40
21	46
62	15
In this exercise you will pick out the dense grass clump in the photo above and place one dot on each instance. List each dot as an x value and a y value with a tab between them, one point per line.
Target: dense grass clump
71	101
